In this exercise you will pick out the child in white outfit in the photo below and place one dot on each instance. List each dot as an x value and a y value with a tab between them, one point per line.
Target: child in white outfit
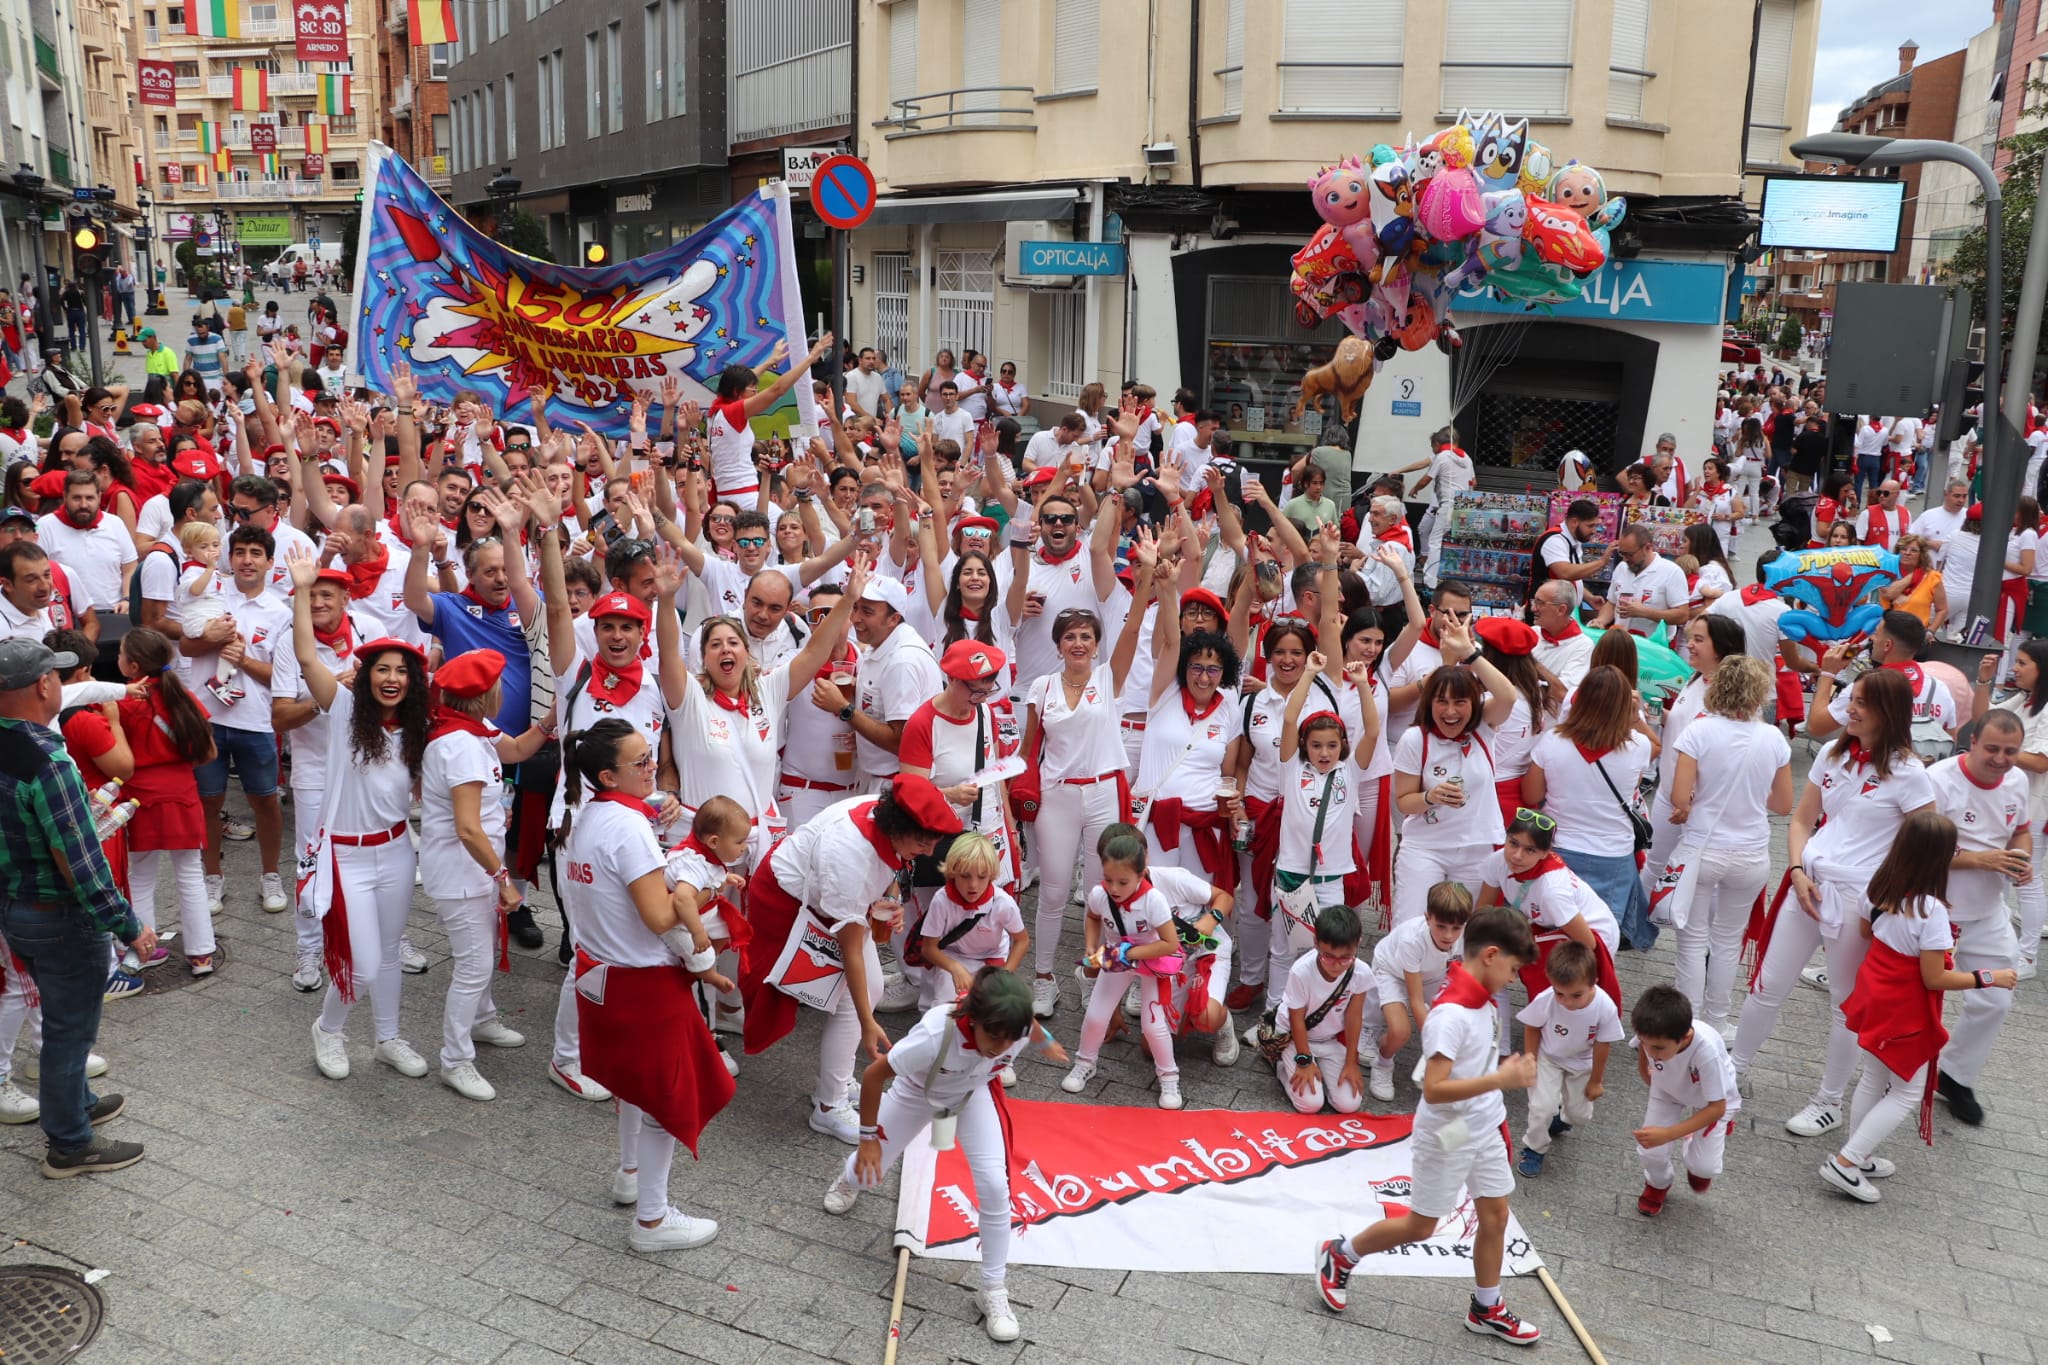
202	600
1693	1099
1322	1009
971	923
1408	969
1568	1030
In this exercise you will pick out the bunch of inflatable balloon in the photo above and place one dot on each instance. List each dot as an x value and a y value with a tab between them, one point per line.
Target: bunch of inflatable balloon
1478	205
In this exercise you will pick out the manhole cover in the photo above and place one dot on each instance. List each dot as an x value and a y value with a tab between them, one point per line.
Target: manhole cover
47	1314
176	974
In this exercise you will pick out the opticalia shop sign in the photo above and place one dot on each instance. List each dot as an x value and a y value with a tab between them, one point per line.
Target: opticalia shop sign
1071	258
1629	291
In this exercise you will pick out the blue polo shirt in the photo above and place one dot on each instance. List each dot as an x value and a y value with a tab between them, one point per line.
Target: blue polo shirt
461	623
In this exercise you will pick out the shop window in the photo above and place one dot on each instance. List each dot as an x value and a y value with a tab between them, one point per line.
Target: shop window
892	306
1066	345
1257	355
967	300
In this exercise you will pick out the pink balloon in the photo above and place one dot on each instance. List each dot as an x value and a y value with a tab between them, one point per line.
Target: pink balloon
1451	208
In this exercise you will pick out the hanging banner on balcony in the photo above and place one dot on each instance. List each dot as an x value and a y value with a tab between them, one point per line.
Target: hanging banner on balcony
467	312
316	165
263	137
174	173
321	27
157	83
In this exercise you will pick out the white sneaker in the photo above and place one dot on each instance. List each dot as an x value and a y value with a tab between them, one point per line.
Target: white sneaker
841	1194
1380	1081
1075	1081
1169	1092
842	1123
493	1032
1816	1118
732	1063
898	993
274	898
1816	977
677	1231
410	959
1133	1006
465	1081
572	1079
994	1305
1851	1183
307	976
17	1105
1045	996
241	831
1877	1168
32	1066
398	1054
1225	1050
625	1187
1007	1078
213	894
2028	968
330	1053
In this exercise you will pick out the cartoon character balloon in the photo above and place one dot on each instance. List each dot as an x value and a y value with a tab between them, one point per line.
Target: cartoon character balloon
1560	236
1580	188
1449	208
1393	208
1836	589
1498	150
1343	198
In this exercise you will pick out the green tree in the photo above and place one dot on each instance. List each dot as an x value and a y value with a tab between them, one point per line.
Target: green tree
2021	181
351	229
1790	335
527	235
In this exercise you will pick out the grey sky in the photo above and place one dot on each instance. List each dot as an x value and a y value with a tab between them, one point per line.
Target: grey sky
1859	44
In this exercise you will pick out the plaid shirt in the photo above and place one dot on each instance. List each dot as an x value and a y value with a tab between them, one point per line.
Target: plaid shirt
48	854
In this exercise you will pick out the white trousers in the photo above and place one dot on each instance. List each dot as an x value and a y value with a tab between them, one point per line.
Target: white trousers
568	1031
16	1011
1183	857
306	824
377	885
1702	1150
1981	945
647	1147
472	925
1134	742
1710	944
1883	1102
839	1048
190	874
1266	950
800	805
1556	1091
1793	940
903	1117
2033	898
1105	997
1416	869
1070	821
1328	1086
1749	488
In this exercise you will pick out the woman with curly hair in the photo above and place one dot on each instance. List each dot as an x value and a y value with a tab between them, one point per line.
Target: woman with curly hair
363	860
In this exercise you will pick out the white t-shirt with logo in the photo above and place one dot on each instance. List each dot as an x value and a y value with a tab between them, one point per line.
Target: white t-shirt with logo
1307	989
1437	761
1301	798
1930	931
1407	948
447	872
1660	586
611	845
1470	1038
1985	819
1568	1034
1698	1074
1863	812
1082	741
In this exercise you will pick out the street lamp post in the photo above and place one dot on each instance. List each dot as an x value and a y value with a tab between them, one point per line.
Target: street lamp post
2003	460
145	233
503	189
31	186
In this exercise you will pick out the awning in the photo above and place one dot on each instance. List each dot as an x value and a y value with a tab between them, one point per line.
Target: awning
995	206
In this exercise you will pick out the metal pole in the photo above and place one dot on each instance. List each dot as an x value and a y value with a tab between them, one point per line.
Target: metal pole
45	326
92	328
835	368
2004	456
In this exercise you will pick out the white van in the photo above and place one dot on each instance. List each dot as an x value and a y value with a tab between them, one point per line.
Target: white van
281	268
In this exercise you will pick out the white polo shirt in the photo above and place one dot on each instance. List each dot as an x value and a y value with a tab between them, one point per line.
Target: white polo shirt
1985	818
890	683
93	556
1660	586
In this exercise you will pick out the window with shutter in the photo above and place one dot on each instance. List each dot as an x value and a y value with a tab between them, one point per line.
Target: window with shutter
1768	117
1342	57
1075	38
1232	70
1628	59
1066	345
903	53
981	56
1531	76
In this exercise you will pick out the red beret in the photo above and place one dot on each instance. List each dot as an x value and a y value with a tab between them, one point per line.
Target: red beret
971	661
1505	634
329	423
622	604
148	412
471	674
922	802
369	649
355	490
338	577
987	524
1202	597
50	485
1042	475
194	463
1976	512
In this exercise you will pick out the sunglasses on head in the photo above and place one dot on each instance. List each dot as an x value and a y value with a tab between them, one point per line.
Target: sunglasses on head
1534	818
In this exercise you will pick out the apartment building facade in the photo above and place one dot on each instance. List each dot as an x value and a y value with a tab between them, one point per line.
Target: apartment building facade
412	118
48	124
998	126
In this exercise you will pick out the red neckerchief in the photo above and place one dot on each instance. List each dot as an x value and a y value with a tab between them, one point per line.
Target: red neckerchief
18	435
1571	632
1047	557
1549	862
1858	755
1187	704
966	1027
690	844
469	591
1461	989
988	893
1590	755
631	802
1713	490
446	720
863	818
1913	582
366	573
1755	593
1400	534
1144	885
397	528
341	640
1428	635
451	523
616	685
94	525
735	703
1964	764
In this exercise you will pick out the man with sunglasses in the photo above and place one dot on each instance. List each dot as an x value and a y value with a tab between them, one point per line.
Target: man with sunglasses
1450	612
1885	519
252	501
1649	591
1060	579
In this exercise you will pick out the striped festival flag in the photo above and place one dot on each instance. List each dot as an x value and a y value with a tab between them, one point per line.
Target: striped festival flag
213	18
430	21
224	161
252	89
316	138
270	165
209	137
335	97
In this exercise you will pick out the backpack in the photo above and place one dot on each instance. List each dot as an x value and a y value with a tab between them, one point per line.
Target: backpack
1794	528
135	584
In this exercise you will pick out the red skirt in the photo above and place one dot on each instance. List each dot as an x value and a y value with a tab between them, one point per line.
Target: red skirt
771	914
1265	818
169	816
647	1043
1509	794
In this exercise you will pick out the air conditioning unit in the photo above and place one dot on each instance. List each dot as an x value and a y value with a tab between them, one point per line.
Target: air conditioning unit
1025	249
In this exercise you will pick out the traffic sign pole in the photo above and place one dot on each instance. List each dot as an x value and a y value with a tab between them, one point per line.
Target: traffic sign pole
842	195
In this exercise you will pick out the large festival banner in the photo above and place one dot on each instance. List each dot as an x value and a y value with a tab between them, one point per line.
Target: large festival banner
467	312
1122	1188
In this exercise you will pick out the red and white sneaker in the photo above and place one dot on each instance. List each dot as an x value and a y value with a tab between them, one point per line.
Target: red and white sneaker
1650	1202
1498	1321
1333	1273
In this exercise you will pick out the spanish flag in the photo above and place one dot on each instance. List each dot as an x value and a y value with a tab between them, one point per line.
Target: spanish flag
316	138
252	89
209	137
430	21
335	97
224	161
213	18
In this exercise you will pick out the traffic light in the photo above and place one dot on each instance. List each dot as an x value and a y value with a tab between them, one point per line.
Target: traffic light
86	254
593	253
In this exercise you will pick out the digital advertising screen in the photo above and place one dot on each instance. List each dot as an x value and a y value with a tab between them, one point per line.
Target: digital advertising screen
1832	213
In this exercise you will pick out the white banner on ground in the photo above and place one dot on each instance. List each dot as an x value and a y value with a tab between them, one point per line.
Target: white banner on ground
1115	1188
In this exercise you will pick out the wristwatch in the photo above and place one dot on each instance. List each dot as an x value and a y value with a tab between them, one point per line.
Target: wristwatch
846	713
1302	1059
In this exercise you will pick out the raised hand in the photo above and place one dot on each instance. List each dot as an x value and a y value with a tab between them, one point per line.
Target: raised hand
668	570
404	388
303	566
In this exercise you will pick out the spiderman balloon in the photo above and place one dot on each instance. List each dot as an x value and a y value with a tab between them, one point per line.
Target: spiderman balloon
1836	589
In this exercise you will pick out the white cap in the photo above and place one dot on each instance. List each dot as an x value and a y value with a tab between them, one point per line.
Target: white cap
889	590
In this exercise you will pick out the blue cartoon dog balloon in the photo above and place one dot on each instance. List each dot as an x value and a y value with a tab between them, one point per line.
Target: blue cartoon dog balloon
1837	590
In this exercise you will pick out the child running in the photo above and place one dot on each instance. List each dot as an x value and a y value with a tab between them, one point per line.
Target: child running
941	1071
1568	1030
1895	1007
1323	1008
1693	1098
1456	1135
1408	969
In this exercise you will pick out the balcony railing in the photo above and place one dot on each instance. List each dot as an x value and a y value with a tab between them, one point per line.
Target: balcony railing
294	83
401	97
99	107
286	138
94	31
190	82
971	108
263	189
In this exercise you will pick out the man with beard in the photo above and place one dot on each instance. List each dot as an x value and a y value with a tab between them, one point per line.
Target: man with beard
95	549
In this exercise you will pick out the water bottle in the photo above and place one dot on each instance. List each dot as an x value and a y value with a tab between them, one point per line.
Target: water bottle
109	822
104	798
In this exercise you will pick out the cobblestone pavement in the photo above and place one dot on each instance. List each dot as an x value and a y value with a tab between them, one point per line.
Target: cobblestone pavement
280	1216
